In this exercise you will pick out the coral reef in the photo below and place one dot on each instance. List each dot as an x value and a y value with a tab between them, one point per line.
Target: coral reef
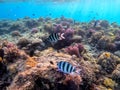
27	63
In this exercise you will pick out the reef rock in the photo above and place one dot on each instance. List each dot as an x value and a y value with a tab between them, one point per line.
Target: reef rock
42	73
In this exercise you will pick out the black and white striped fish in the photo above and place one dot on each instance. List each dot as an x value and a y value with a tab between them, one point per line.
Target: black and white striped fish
65	67
53	38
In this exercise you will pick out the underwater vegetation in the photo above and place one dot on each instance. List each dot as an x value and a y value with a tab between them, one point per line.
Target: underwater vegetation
59	54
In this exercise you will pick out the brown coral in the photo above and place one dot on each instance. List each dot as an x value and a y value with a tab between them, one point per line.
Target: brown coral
48	27
23	42
104	42
95	37
12	52
107	62
116	74
15	33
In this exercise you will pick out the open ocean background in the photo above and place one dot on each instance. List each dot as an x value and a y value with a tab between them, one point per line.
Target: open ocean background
81	10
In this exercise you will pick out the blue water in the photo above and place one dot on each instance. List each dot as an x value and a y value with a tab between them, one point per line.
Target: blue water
82	10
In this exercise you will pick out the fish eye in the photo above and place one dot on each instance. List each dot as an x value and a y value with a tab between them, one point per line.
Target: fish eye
51	62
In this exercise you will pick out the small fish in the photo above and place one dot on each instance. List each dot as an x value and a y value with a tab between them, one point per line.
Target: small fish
65	67
54	38
96	23
33	14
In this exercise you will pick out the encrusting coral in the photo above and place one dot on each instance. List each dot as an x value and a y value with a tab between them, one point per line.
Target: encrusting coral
109	83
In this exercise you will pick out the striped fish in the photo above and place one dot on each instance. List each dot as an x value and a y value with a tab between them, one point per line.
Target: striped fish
65	67
54	37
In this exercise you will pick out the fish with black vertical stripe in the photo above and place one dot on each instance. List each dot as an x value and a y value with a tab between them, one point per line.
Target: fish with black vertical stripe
65	67
54	38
